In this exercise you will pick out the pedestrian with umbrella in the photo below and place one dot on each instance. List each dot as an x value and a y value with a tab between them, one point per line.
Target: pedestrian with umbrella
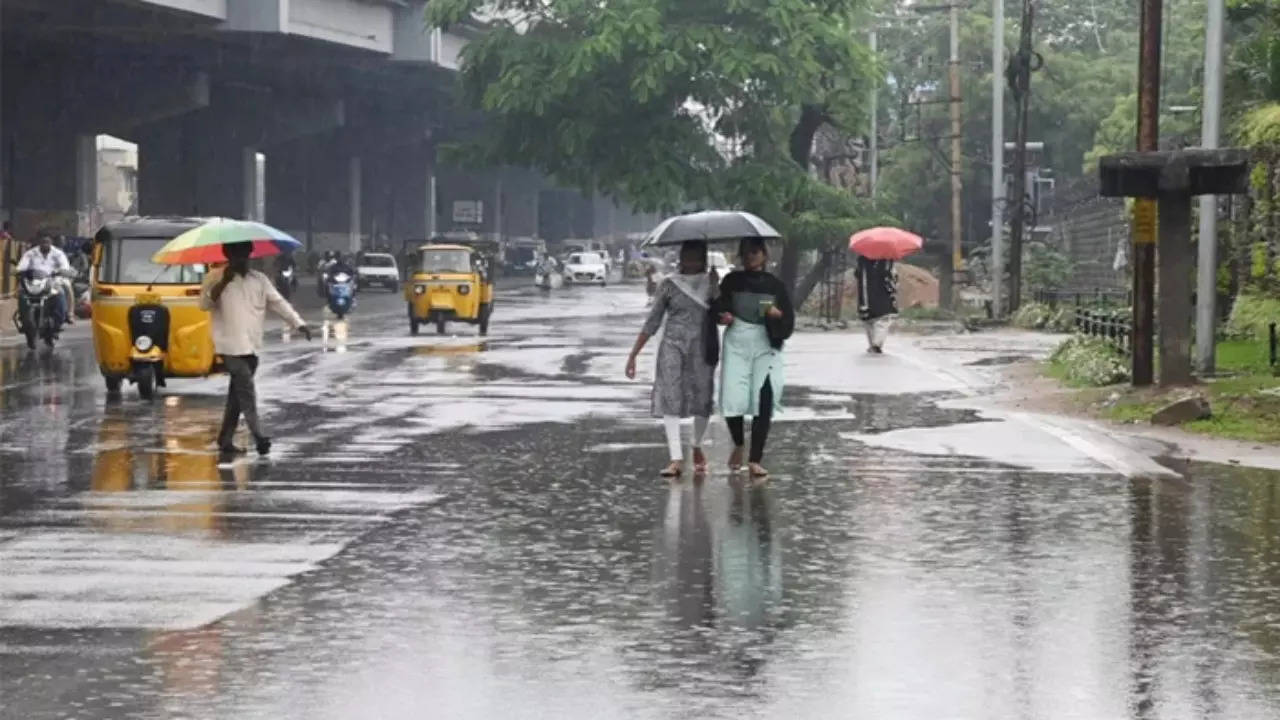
756	307
877	250
684	382
237	298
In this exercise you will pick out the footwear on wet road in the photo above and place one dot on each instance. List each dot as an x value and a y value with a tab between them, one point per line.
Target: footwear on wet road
466	527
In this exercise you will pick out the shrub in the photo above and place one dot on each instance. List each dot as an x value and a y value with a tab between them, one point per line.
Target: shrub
1032	316
1250	316
1090	362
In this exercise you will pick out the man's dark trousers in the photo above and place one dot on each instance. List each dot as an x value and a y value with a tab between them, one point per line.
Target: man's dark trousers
242	398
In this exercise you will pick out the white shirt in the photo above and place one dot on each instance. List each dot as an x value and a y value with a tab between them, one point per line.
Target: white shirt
33	259
239	313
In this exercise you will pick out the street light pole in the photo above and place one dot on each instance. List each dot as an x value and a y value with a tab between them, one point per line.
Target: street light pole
1207	263
873	138
997	156
957	257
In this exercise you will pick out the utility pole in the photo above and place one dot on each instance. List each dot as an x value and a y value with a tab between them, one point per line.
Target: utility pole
1207	263
873	138
1144	248
957	226
997	156
1020	81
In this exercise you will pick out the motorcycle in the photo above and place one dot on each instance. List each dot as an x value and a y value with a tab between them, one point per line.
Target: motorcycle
286	281
35	316
341	293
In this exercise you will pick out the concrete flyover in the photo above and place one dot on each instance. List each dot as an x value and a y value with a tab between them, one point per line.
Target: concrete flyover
347	100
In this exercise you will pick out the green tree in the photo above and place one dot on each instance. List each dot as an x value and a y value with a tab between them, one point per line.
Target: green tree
672	103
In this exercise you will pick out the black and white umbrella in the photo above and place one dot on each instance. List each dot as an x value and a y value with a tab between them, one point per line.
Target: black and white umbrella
709	226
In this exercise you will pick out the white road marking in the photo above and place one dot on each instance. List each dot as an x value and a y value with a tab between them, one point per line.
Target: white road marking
161	560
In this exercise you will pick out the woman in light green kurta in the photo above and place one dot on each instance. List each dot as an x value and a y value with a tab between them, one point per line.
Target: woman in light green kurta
757	308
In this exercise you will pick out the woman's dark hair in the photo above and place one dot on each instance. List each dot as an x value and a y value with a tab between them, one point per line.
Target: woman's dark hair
752	243
695	246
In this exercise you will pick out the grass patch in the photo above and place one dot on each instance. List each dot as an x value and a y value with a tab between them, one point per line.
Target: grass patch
1247	356
1244	408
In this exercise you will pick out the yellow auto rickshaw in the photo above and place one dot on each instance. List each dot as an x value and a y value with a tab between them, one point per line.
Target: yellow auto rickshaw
147	321
449	282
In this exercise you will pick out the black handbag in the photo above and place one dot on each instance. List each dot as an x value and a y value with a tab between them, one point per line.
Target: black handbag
711	334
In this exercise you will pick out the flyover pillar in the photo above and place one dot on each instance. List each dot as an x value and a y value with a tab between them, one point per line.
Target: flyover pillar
187	166
314	193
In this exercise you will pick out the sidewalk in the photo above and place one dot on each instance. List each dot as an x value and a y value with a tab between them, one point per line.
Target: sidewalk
1000	369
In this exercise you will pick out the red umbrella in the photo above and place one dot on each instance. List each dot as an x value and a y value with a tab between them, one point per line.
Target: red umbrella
885	243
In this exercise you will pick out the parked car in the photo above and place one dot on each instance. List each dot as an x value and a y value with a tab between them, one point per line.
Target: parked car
583	268
718	262
378	269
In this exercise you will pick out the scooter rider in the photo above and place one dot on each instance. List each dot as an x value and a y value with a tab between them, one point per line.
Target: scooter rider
335	266
322	271
49	259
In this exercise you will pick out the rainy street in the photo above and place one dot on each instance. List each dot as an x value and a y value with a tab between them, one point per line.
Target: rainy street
466	527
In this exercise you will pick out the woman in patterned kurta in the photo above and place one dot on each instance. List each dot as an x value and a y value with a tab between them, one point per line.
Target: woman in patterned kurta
684	382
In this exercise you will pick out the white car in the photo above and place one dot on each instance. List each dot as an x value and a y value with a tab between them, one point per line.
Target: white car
718	262
378	269
585	268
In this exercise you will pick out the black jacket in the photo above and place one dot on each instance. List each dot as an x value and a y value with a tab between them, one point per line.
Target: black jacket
761	283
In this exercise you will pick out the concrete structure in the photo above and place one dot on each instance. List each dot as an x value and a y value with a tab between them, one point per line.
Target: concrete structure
1172	179
347	101
117	176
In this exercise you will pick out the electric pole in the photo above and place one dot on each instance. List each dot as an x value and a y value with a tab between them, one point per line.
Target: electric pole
957	226
1144	249
1020	84
1207	263
997	156
873	139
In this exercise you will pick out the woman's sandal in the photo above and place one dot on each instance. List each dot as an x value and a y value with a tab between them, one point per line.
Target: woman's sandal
699	462
735	460
758	471
675	469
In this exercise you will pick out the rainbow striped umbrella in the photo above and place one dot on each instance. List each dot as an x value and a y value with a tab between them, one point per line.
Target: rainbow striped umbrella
203	244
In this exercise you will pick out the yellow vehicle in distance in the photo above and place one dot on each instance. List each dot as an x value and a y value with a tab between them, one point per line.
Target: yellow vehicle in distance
449	283
147	321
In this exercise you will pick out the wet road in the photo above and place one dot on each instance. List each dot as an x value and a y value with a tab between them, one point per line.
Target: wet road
469	527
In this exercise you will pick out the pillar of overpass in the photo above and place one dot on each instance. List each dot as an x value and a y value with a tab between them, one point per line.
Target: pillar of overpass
397	193
314	192
50	161
197	164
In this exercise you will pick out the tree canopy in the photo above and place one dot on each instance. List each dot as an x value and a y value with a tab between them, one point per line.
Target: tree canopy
671	104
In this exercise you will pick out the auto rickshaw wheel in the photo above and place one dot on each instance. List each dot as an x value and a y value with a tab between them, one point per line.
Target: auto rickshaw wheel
440	325
113	385
145	375
485	311
413	326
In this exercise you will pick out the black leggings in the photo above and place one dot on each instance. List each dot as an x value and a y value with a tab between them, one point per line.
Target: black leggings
759	425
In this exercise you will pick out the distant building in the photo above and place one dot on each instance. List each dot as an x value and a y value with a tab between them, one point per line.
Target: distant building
117	182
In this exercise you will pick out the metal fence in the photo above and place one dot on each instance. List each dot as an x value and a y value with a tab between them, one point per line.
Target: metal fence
1093	232
1107	325
1102	297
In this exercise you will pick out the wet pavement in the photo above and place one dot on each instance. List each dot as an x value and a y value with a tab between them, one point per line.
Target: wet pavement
466	527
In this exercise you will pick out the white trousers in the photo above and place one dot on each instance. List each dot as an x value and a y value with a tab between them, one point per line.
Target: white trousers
671	424
878	330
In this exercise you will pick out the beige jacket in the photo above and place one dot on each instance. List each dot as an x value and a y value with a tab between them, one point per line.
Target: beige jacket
239	314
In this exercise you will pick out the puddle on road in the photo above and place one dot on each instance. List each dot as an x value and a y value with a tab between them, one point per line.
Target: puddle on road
998	360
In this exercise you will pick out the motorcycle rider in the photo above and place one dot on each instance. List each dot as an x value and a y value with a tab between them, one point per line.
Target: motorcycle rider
337	265
286	261
49	259
322	270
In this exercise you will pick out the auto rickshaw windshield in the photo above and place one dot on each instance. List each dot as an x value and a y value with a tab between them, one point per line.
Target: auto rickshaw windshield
445	261
127	261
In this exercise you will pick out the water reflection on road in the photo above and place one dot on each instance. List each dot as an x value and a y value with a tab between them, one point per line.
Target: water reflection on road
905	561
